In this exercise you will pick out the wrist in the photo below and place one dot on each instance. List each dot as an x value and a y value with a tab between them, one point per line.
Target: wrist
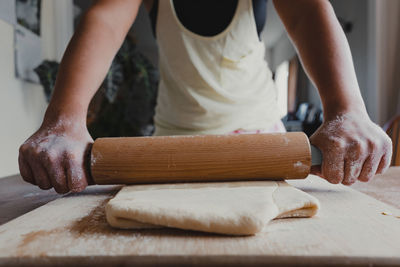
342	105
57	116
332	113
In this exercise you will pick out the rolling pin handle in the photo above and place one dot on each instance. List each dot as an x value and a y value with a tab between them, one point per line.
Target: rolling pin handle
316	156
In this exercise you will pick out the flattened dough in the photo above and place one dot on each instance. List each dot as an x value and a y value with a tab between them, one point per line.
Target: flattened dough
235	208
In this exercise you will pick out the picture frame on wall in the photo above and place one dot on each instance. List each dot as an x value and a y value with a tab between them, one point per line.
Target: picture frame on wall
28	45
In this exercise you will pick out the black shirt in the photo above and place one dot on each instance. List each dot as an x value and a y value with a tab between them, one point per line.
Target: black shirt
210	17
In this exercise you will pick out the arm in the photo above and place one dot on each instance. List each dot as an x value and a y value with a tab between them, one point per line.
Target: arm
352	145
55	155
89	55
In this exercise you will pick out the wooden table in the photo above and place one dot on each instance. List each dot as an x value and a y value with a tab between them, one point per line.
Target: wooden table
385	187
350	229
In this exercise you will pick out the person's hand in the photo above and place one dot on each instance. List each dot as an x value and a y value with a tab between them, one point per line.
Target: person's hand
56	157
353	148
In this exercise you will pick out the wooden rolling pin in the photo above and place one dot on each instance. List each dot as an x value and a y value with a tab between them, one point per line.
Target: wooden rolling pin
134	160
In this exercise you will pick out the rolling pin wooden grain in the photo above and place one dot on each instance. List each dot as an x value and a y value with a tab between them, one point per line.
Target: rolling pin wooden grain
200	158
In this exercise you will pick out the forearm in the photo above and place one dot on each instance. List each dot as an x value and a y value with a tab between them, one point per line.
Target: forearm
88	57
324	52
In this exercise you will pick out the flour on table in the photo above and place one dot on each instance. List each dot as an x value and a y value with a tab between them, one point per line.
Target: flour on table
234	208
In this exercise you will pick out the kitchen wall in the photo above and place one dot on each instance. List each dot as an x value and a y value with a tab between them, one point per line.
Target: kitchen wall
356	12
387	50
23	104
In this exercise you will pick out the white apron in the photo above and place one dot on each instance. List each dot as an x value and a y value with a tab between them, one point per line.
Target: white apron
213	85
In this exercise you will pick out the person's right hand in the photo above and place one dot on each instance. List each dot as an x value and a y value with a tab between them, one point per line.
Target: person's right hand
56	157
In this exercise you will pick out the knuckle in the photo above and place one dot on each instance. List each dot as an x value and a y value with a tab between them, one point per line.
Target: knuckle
77	152
331	140
42	154
355	150
52	155
355	169
340	144
23	148
36	151
362	147
47	155
70	156
373	145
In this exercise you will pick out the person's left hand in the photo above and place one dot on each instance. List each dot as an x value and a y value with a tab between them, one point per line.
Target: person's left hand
353	148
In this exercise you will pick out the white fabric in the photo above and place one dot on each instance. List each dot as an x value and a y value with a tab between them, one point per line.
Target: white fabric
212	85
236	208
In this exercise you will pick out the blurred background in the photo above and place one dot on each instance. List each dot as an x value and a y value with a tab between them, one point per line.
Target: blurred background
34	35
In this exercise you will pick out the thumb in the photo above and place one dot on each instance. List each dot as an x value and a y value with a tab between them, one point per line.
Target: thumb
316	170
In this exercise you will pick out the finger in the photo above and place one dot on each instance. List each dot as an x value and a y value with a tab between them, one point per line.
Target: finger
333	167
25	170
369	168
356	155
384	164
57	177
352	170
316	170
40	175
76	178
385	161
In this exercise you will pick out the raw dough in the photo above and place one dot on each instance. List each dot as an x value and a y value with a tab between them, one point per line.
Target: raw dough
236	208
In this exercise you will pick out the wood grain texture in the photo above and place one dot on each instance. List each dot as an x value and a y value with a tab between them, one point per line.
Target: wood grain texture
200	158
350	229
17	197
385	187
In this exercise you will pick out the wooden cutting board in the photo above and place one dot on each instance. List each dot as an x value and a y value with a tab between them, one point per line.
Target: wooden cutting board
350	229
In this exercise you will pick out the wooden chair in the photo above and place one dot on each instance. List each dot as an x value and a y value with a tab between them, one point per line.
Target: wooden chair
392	128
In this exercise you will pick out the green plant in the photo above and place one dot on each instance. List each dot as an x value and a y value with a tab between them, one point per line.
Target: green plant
124	104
